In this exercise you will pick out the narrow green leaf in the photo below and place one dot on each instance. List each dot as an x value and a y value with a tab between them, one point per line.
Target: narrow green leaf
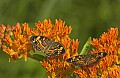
38	57
85	47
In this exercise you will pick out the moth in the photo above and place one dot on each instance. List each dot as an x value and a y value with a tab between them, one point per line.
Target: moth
86	60
49	47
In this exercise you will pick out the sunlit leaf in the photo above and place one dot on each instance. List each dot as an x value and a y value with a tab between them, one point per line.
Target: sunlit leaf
86	47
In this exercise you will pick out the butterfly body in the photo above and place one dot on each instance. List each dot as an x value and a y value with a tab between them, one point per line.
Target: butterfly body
46	45
86	60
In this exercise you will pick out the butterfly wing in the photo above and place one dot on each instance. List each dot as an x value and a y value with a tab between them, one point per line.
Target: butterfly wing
100	55
77	60
49	47
40	43
86	60
90	60
94	58
55	49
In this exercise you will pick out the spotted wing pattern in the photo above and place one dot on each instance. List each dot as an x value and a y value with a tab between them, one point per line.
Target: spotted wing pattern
46	45
86	60
77	60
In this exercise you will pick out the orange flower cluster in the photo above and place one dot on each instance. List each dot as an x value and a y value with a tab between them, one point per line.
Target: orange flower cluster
108	42
108	66
57	66
15	41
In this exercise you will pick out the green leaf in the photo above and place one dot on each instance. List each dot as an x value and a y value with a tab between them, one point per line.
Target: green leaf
85	47
74	76
39	57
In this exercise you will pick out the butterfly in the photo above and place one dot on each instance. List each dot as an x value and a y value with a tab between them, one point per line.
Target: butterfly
46	45
86	60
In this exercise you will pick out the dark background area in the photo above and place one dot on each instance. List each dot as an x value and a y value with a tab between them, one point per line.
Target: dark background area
87	18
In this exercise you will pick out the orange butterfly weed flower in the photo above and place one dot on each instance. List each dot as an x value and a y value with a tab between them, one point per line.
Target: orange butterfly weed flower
109	43
15	41
109	65
60	67
57	66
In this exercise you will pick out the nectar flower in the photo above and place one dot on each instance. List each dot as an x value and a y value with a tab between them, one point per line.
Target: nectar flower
109	43
15	42
107	66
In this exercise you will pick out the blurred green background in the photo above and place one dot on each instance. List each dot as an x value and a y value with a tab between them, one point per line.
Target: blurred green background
87	18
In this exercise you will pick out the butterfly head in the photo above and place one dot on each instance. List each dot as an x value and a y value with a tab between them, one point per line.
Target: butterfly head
32	39
69	60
